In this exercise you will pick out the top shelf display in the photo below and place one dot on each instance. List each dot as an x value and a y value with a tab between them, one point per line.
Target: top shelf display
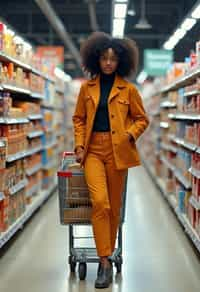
26	67
183	81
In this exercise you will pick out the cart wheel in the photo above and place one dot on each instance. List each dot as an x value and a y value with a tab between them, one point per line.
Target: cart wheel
118	267
82	271
72	264
73	267
118	264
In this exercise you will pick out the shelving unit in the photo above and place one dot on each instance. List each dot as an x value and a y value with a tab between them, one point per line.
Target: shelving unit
37	203
170	150
40	156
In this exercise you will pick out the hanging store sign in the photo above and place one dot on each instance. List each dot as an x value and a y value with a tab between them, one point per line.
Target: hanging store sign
157	62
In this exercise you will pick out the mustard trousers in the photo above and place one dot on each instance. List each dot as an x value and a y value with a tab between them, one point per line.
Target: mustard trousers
106	185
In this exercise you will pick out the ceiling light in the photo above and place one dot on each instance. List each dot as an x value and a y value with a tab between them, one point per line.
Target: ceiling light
120	10
121	1
118	27
143	23
171	43
131	12
188	23
180	33
196	12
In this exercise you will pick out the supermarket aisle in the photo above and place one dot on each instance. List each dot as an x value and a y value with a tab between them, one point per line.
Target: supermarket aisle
157	255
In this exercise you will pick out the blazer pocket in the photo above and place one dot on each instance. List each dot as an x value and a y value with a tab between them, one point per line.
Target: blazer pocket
123	105
123	102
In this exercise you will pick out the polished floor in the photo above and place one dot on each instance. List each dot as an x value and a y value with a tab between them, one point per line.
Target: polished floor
158	257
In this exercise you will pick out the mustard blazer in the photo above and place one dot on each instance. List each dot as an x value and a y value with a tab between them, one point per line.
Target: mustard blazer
126	115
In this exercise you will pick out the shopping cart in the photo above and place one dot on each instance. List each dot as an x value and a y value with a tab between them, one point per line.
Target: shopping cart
75	210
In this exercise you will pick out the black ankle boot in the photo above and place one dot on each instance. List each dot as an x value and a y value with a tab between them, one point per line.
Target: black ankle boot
104	277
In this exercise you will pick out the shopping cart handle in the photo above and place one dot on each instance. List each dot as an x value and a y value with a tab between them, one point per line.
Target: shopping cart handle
67	153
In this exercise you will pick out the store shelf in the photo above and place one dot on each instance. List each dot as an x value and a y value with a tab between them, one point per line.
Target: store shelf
35	150
34	169
23	154
181	116
59	90
48	105
167	104
6	58
183	143
195	172
169	147
19	186
183	81
49	165
189	229
15	89
16	156
49	129
194	203
35	117
173	203
37	95
191	93
185	182
33	190
37	202
198	150
9	121
35	134
164	125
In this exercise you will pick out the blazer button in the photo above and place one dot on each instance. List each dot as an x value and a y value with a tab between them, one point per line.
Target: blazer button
112	116
113	132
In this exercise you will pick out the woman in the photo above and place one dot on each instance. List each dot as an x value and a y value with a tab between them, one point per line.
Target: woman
108	119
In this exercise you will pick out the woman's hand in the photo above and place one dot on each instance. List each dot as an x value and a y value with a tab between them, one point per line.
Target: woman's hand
130	137
79	154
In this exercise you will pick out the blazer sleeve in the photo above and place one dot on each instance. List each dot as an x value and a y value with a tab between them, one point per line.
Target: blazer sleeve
79	120
137	113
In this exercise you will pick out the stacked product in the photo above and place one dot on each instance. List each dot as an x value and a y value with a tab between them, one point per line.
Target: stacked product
175	164
27	141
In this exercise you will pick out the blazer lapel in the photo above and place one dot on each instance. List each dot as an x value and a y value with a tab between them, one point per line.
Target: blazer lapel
119	83
94	90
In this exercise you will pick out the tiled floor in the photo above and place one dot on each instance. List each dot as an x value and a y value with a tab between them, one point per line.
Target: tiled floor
157	254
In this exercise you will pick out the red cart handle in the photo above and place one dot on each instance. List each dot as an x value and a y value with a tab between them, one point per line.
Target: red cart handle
68	153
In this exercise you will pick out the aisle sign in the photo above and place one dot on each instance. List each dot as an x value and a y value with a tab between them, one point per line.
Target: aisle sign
157	62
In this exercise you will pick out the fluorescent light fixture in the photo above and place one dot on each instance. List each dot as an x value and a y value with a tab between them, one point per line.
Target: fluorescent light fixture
120	10
180	33
196	12
171	43
121	1
141	77
188	23
118	27
131	12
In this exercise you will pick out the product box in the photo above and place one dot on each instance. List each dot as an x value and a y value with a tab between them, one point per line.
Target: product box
192	215
77	215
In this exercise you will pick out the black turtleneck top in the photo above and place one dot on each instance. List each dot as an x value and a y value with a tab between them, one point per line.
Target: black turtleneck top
101	121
